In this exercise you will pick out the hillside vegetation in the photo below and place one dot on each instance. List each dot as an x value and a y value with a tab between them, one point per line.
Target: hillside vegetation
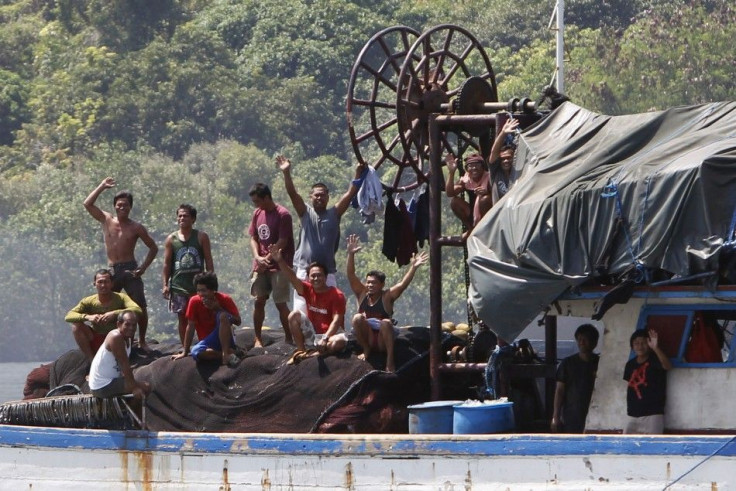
189	101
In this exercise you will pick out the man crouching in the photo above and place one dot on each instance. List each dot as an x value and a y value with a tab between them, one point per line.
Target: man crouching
324	324
211	314
110	374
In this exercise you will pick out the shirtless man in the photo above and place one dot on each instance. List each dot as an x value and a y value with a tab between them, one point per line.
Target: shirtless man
187	252
373	325
121	234
319	237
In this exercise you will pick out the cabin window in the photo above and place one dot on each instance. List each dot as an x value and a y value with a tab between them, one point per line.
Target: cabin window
700	337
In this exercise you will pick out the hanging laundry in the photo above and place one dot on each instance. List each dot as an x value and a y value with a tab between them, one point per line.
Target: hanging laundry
407	246
421	220
391	225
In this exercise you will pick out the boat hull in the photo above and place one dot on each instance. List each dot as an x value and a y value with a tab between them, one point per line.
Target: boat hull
51	458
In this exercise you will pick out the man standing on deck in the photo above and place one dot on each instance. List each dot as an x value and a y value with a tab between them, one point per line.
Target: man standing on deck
110	374
323	326
575	382
187	253
120	235
373	325
95	316
271	224
319	237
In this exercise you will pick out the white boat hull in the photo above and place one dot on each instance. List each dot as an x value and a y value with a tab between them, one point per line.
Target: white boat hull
50	458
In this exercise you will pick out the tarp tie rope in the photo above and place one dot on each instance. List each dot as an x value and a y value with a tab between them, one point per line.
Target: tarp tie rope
611	191
493	367
730	242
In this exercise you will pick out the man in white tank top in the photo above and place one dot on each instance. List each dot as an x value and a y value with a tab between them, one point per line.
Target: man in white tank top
110	374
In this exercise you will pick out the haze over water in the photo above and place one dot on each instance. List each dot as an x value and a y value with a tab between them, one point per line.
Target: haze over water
13	378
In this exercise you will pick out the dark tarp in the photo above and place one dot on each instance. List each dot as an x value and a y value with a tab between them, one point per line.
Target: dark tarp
668	177
265	394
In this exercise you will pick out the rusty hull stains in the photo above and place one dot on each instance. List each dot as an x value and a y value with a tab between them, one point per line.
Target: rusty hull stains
144	477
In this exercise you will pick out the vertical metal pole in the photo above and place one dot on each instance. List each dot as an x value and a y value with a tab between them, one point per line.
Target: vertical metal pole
561	46
435	258
550	356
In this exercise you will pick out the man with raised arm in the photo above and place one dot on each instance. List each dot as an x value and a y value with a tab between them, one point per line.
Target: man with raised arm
319	237
324	323
373	324
187	253
503	174
121	234
95	316
110	374
211	315
271	224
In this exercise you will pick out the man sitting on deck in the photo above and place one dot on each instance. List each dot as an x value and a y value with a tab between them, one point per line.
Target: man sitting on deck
373	325
110	374
211	314
323	325
94	316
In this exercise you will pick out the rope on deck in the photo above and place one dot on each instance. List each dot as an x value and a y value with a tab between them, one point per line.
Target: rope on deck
75	411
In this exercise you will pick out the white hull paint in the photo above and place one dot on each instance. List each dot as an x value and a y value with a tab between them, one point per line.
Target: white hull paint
50	458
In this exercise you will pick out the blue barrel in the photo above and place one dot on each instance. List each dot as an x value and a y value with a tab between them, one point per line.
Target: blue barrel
476	418
431	417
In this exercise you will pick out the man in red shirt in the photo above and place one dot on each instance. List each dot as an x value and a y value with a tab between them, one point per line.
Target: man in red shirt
324	324
211	314
271	224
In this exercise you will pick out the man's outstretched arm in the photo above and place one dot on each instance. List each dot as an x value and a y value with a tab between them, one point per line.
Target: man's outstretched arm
297	201
508	128
89	202
342	204
355	284
288	271
152	251
416	261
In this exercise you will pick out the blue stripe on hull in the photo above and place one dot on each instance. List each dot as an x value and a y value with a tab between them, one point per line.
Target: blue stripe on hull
387	446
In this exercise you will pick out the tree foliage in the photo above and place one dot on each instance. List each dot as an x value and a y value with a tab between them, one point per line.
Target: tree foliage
189	101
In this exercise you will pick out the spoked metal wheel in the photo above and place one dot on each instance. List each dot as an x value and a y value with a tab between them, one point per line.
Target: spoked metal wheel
371	102
437	65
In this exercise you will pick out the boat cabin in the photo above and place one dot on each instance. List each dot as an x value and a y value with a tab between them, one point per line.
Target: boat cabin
695	328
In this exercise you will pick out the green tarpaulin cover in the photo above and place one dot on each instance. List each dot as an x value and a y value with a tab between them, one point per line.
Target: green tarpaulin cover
668	178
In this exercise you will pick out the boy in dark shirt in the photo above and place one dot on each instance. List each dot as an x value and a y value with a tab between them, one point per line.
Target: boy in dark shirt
647	384
575	380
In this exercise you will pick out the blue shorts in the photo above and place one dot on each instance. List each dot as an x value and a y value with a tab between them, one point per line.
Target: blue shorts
212	341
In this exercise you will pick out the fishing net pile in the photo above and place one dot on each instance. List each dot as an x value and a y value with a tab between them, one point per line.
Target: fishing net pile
264	393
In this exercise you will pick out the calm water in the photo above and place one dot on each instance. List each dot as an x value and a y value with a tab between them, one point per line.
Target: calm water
13	378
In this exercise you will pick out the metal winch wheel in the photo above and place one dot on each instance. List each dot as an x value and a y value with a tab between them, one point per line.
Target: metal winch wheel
398	80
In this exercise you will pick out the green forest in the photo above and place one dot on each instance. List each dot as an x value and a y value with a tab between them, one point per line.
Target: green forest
191	100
